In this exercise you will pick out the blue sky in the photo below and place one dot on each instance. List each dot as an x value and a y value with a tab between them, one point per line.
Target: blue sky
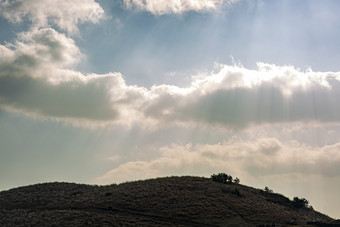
111	91
278	32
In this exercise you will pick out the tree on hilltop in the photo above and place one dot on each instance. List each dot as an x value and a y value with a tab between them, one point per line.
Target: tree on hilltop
224	178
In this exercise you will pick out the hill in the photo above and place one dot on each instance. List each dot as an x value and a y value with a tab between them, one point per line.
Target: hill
170	201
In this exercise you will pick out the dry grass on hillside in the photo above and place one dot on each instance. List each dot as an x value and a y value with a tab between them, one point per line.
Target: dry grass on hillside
179	201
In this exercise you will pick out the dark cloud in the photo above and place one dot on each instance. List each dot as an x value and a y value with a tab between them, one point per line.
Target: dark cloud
67	100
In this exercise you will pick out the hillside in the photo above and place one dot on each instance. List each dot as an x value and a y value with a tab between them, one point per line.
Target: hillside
171	201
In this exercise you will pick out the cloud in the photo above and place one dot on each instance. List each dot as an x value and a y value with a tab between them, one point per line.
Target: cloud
69	100
63	13
38	51
159	7
36	79
256	158
237	97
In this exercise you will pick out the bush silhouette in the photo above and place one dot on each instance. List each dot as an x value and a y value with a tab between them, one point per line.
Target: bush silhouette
300	203
224	178
268	190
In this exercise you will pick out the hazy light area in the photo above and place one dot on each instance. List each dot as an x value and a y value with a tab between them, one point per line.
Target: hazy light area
110	91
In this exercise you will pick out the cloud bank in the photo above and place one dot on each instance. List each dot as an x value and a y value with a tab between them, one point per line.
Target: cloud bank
260	157
37	77
159	7
237	97
63	13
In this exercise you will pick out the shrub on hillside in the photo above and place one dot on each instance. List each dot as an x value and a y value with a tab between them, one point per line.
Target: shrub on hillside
268	190
300	203
224	178
236	180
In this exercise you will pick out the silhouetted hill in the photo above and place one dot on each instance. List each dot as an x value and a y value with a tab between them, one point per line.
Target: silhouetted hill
170	201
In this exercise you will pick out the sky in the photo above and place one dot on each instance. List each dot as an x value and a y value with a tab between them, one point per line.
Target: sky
103	92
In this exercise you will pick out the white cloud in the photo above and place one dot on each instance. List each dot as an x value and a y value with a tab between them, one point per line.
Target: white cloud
160	7
36	79
39	67
63	13
263	157
36	53
237	97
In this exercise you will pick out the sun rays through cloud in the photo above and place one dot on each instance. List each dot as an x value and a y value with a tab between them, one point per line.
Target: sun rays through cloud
110	91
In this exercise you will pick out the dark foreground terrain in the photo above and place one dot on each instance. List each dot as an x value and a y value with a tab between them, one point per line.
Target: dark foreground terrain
171	201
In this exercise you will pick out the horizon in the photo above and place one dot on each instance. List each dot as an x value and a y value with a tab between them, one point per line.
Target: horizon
102	92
